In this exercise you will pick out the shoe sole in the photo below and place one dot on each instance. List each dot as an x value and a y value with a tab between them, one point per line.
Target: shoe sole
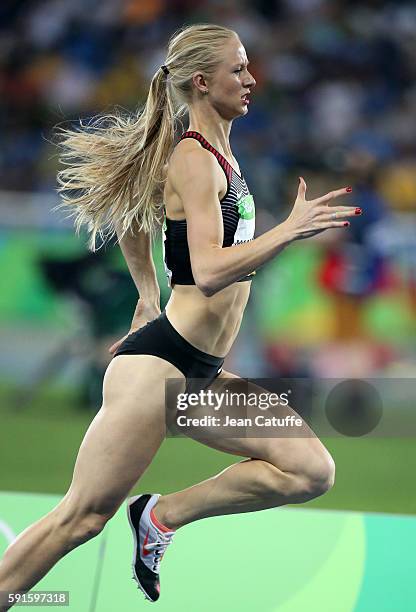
141	587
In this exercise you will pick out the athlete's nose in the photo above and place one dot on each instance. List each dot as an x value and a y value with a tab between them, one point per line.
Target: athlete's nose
252	82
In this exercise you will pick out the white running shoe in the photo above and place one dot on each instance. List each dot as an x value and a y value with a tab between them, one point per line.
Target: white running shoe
150	542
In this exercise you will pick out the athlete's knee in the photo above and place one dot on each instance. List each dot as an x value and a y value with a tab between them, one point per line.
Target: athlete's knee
314	477
78	523
319	475
80	527
86	527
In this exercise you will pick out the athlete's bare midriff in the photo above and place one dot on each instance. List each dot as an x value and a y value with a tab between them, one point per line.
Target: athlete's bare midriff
211	324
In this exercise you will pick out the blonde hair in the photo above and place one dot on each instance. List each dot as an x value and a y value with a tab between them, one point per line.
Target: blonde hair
115	165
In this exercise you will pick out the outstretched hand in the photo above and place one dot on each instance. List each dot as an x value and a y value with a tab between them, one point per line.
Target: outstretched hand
142	315
311	217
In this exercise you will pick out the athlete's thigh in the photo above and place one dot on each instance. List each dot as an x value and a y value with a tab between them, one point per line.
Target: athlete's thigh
125	434
288	448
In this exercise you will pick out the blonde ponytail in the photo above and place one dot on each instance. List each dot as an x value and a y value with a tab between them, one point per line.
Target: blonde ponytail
114	167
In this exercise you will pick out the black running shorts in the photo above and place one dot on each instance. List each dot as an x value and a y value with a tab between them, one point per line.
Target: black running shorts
160	339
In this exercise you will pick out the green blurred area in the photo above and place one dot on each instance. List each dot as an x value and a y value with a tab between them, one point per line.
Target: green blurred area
26	294
38	448
290	303
314	561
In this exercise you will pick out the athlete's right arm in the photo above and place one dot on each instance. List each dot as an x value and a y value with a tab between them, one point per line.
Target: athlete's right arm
196	182
136	248
137	252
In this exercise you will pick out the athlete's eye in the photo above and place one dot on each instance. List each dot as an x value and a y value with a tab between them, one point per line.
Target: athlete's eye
238	70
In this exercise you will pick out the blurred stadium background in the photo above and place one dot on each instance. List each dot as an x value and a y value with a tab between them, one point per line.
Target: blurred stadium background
335	102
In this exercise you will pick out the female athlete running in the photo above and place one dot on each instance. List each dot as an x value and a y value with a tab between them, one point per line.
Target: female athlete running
116	178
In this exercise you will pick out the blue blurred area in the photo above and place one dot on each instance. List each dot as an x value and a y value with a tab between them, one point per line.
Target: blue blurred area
333	78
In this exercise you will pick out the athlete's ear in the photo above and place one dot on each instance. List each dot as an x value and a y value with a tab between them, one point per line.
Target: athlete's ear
200	82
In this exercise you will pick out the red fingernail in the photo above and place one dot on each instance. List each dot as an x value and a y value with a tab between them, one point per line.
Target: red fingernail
349	189
346	224
358	211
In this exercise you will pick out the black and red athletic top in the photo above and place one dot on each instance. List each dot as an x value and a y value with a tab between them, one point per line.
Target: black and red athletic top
238	215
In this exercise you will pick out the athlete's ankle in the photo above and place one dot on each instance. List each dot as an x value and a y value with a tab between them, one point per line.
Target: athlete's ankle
163	515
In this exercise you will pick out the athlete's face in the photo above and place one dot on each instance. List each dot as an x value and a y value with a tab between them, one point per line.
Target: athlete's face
231	84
